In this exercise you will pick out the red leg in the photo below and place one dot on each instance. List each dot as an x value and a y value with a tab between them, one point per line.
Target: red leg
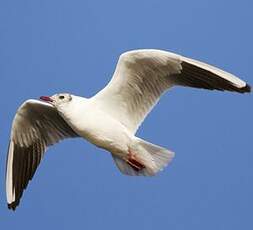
135	164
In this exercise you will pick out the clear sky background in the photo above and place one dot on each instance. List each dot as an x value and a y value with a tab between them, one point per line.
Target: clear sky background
51	46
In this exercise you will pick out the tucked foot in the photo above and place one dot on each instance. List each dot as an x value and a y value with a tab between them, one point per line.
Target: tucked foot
133	162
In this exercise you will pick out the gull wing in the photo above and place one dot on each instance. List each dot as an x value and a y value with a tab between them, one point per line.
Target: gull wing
142	76
36	126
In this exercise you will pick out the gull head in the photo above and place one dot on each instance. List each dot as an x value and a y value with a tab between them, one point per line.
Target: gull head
57	100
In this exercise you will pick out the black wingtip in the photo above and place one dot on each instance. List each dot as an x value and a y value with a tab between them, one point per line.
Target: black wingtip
246	88
12	206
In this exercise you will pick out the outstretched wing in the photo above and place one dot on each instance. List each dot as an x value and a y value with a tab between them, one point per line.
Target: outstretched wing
36	125
142	76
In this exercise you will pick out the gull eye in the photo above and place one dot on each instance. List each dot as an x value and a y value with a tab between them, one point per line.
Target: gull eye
61	97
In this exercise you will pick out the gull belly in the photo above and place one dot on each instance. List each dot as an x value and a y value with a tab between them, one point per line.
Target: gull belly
102	130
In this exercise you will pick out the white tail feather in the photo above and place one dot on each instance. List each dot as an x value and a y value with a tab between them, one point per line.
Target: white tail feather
153	157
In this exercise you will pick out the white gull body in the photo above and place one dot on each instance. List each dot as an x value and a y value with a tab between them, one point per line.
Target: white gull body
111	118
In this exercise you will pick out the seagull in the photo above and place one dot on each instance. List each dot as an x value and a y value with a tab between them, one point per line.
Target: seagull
110	118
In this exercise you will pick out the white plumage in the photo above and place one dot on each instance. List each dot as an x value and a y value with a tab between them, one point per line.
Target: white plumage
111	118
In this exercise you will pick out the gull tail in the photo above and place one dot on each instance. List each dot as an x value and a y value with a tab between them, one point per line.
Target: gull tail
144	159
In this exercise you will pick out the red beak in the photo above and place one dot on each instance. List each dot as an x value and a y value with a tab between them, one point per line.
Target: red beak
46	98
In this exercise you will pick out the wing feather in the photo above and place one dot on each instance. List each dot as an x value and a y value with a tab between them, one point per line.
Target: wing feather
36	126
142	76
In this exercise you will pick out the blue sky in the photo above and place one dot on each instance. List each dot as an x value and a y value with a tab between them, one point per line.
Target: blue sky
73	46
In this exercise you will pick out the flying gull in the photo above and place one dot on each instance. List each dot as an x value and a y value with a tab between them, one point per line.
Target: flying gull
109	119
